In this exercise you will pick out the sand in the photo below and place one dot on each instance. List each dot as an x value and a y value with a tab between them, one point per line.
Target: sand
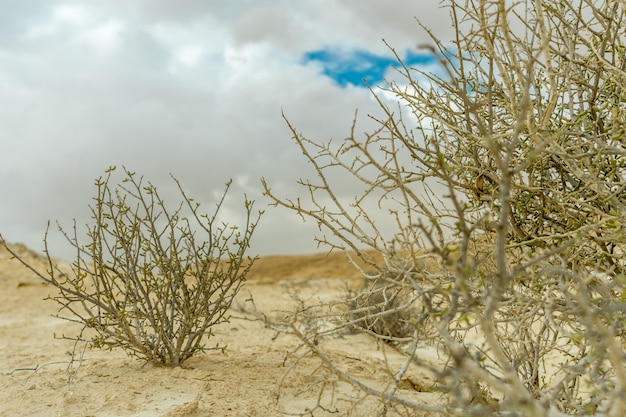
257	375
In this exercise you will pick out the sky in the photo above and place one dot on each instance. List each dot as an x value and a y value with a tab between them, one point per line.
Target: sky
195	88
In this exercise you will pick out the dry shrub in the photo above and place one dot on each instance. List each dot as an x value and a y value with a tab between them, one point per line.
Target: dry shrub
152	280
384	308
515	150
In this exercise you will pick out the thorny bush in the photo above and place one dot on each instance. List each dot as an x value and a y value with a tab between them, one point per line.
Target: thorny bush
505	175
151	280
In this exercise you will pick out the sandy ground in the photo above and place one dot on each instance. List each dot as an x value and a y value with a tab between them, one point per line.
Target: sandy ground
256	376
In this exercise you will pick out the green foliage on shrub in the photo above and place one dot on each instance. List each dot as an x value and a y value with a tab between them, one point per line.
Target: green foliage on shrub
152	280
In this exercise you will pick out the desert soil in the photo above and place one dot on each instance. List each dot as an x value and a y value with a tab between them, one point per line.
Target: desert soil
257	375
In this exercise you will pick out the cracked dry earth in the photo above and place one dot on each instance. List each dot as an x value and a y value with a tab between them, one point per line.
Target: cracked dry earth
257	375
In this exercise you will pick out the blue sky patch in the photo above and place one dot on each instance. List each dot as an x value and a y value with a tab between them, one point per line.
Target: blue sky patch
351	67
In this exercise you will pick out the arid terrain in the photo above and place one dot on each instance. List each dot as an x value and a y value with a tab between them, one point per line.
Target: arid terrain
257	375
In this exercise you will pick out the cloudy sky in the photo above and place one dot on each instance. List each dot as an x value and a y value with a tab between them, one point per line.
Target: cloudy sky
194	88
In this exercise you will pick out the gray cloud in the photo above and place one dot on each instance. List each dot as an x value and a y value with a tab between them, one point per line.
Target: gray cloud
193	88
310	24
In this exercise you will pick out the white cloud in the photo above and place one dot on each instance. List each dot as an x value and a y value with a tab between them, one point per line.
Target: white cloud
62	16
68	13
190	55
107	36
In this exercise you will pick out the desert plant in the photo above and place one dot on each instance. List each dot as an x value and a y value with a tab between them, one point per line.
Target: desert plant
151	280
384	307
505	177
